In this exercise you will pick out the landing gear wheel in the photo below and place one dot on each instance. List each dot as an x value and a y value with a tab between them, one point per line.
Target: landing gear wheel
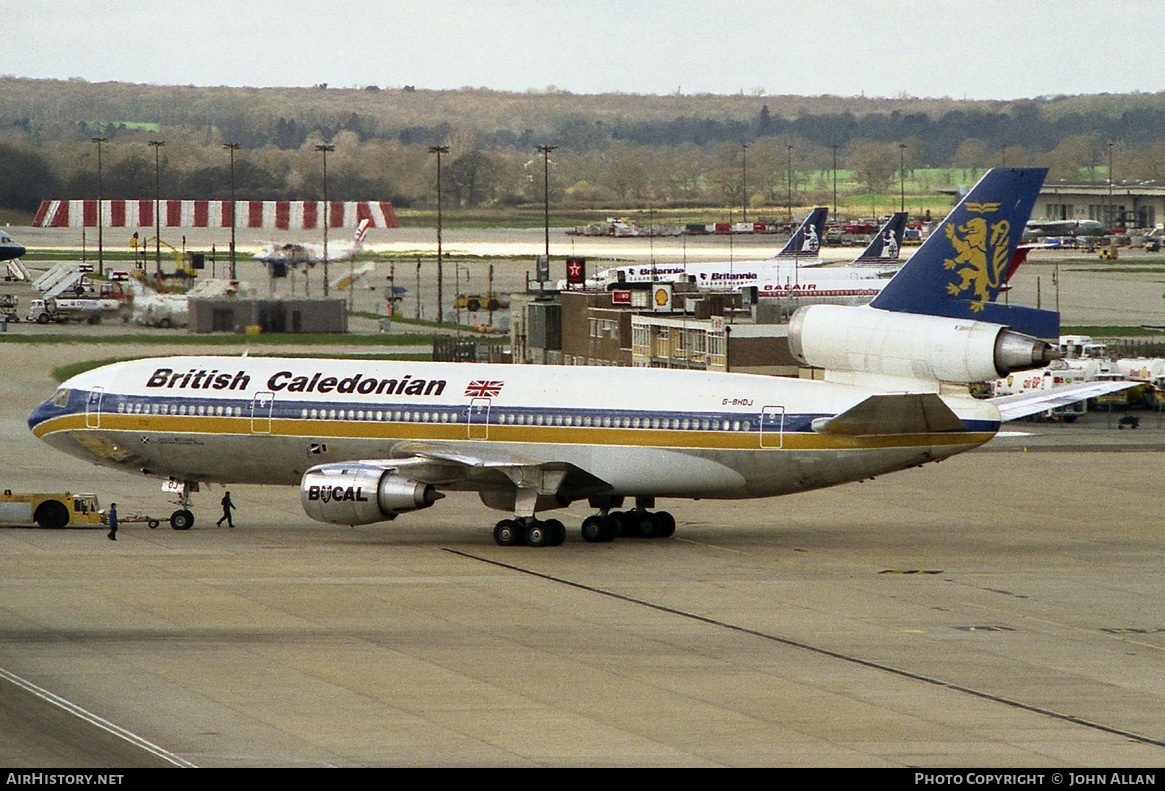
52	514
646	525
182	519
597	529
665	523
508	533
557	532
539	534
622	523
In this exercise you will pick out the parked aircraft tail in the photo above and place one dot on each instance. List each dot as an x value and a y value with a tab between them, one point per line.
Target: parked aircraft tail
806	240
361	232
887	242
961	267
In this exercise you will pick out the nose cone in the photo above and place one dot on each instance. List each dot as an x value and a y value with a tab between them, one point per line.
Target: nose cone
45	411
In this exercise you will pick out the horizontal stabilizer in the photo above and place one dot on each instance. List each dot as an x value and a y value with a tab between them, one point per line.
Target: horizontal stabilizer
1013	407
909	413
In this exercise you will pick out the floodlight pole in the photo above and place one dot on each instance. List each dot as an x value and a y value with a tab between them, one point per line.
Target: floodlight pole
744	177
439	150
232	148
546	195
100	214
324	149
902	176
157	145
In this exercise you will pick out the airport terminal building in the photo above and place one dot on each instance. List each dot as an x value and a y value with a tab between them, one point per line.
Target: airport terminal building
1132	205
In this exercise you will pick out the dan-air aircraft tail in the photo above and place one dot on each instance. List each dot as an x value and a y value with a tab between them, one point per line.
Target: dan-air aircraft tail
294	254
367	440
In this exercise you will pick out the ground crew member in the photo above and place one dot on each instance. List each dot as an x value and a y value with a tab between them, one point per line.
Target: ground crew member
227	505
111	514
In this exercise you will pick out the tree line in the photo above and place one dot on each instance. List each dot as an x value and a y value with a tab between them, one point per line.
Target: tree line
610	151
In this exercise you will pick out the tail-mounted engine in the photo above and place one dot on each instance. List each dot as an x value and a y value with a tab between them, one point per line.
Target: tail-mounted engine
361	493
916	346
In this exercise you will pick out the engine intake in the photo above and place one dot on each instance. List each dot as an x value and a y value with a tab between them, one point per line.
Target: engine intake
361	493
912	345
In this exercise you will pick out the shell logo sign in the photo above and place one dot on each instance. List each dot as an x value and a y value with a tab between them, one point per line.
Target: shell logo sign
661	297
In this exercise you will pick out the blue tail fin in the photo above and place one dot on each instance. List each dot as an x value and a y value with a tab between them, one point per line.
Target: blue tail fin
806	241
962	265
887	242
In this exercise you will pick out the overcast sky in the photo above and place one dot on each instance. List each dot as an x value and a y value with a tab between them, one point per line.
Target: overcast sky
981	49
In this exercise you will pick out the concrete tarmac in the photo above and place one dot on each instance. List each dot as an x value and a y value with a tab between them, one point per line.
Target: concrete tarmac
1000	609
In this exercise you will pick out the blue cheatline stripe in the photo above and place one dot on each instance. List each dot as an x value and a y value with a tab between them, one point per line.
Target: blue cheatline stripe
745	436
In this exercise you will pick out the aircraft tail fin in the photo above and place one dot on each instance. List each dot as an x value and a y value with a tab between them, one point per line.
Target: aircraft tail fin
361	233
961	267
887	242
806	240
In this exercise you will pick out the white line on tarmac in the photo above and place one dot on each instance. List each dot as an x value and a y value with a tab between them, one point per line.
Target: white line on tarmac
93	719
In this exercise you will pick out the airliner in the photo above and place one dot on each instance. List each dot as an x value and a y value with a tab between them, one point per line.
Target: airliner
295	254
367	441
10	248
788	274
1037	229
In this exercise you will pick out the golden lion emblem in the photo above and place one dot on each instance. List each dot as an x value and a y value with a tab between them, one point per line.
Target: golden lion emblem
980	259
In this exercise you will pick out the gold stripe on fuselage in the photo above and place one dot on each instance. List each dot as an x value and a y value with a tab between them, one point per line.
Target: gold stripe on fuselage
461	432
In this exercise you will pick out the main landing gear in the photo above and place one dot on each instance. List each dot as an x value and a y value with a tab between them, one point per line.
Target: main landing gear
530	532
637	523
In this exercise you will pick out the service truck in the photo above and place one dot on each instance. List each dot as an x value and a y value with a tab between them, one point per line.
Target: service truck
55	509
61	309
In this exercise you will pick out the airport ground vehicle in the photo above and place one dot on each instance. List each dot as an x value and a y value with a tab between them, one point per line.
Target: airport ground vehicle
61	309
56	509
9	307
475	302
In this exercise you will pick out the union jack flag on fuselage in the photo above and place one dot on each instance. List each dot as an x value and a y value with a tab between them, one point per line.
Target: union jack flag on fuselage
481	388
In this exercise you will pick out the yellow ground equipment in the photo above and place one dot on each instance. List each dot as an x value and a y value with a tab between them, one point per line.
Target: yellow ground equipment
49	509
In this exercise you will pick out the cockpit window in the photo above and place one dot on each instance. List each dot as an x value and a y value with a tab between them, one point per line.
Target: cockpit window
61	397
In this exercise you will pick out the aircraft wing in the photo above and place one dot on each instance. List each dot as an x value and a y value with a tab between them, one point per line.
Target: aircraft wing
1023	404
432	463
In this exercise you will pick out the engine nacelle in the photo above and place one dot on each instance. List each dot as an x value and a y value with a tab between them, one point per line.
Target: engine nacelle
361	493
911	345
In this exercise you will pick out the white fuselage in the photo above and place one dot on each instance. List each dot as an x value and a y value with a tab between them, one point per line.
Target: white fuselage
641	431
773	277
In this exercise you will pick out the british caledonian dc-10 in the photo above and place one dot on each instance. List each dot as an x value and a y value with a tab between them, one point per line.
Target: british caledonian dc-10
367	441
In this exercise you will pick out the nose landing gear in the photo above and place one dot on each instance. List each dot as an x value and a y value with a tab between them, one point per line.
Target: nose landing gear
183	518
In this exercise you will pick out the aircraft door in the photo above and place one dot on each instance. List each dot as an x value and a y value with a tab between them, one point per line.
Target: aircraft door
772	427
93	408
261	407
479	418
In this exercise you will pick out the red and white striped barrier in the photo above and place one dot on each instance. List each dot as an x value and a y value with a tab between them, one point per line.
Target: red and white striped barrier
285	215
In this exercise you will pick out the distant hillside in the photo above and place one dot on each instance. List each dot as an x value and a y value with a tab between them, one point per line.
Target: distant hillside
611	148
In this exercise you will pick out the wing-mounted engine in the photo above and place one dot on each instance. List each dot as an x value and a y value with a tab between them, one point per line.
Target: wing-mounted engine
361	493
866	340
